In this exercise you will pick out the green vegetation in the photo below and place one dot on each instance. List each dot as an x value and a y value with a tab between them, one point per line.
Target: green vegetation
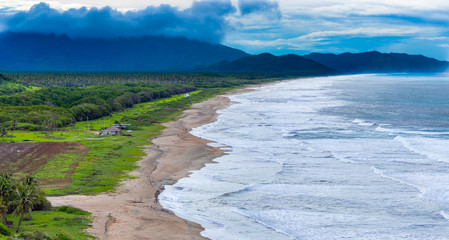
18	202
92	79
60	114
105	165
4	230
27	196
9	85
111	157
72	115
59	135
55	223
60	106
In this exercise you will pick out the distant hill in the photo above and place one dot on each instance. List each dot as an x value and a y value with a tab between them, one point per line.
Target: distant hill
376	62
3	77
268	63
38	52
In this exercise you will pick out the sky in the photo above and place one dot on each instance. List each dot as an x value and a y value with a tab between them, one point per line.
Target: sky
255	26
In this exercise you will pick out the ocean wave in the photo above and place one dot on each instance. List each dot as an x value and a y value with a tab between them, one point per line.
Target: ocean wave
381	173
430	147
302	168
444	214
363	122
382	128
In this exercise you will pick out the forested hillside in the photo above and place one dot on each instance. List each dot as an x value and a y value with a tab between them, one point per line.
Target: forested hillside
268	63
40	100
376	62
62	105
39	52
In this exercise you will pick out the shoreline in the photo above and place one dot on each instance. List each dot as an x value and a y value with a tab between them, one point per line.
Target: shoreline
133	211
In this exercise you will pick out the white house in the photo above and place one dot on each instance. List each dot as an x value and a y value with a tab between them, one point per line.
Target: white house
112	130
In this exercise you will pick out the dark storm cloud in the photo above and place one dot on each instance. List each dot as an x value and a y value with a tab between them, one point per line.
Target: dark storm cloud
204	20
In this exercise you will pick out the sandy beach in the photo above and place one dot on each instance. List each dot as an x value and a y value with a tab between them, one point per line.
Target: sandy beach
133	211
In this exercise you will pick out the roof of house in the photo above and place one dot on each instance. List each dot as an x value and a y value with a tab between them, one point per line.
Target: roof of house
112	129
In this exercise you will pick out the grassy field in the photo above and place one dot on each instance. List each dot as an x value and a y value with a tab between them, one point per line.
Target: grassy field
106	161
66	220
135	112
109	158
103	167
74	158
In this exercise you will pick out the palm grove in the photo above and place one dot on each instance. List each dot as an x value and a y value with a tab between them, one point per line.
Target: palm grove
20	198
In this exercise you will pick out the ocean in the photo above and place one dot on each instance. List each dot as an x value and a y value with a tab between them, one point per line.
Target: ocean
344	157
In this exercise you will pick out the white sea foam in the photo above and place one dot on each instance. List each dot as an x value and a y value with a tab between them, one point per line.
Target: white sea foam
363	122
445	214
298	169
384	128
384	175
431	147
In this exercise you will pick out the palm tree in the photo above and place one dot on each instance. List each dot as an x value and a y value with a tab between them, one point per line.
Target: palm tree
6	191
49	126
3	132
14	125
6	186
30	181
27	196
3	210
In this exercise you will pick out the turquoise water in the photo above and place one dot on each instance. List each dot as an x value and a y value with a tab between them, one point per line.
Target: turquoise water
347	157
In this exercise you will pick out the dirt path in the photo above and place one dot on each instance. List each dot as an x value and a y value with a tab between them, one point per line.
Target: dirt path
133	212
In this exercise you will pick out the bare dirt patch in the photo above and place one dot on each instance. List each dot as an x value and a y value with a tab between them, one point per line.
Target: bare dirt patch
26	158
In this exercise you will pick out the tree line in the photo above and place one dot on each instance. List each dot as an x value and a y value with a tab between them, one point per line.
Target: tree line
64	105
62	98
91	79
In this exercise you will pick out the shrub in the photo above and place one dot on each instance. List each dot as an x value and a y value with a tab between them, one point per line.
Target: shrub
63	236
5	231
34	236
71	210
44	204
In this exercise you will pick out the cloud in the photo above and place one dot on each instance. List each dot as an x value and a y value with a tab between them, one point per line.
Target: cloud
352	25
276	26
265	7
204	20
365	32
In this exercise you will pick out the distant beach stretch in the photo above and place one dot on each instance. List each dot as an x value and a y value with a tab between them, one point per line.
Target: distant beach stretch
133	211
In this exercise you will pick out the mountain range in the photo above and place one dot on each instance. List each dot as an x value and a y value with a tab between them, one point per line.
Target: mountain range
39	52
376	62
268	63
